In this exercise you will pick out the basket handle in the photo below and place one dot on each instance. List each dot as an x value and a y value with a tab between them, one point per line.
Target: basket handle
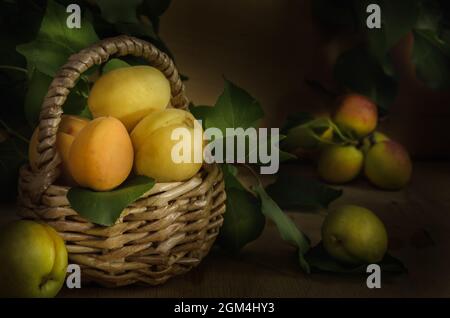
65	79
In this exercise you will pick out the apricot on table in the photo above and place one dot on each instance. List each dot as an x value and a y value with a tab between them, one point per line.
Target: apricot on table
356	115
101	156
388	165
154	143
68	129
340	164
129	94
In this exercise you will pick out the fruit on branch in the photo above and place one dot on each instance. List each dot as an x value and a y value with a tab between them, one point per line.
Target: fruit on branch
101	156
340	164
354	235
129	94
356	115
68	129
388	165
154	145
33	258
372	140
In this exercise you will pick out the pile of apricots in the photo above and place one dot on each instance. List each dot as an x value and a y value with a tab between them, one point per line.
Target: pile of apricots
383	161
130	133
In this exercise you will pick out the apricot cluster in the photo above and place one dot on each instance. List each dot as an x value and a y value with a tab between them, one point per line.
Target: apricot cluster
131	133
346	143
385	163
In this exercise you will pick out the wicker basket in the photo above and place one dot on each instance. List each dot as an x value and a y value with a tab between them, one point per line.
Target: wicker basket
164	233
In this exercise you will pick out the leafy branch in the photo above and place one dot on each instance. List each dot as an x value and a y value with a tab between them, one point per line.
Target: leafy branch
367	68
247	208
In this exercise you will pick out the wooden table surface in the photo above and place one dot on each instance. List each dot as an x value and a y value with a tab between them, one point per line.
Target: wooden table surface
417	219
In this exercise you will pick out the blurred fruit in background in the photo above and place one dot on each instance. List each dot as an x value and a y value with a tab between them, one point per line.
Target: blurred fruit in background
388	166
340	164
356	115
372	139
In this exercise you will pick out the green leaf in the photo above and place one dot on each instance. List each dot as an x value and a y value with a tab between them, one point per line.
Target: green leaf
431	56
55	42
138	29
114	64
307	135
230	173
430	16
296	119
75	104
243	221
37	89
45	54
13	154
321	261
201	113
254	148
397	19
118	10
104	208
154	9
296	192
288	230
234	108
357	71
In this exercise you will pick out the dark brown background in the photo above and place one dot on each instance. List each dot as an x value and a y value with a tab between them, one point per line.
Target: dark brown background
269	47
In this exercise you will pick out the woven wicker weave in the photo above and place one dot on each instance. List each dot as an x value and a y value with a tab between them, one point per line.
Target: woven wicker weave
164	233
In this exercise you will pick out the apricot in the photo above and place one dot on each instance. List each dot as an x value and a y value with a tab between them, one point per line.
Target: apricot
356	115
372	140
388	165
340	164
158	119
153	145
68	129
101	156
129	94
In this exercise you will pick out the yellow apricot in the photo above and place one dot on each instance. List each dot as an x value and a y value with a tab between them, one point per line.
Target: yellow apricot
101	156
388	165
72	125
68	129
340	164
357	115
63	144
129	94
158	119
154	157
154	147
